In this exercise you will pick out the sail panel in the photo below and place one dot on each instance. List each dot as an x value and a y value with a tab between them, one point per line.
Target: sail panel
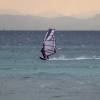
49	42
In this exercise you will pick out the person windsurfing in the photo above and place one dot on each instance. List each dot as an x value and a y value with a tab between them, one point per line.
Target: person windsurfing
49	47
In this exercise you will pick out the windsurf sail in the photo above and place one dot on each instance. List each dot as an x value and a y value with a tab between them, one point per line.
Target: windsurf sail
49	46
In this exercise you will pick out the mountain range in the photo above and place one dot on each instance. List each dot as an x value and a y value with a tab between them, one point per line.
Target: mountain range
28	22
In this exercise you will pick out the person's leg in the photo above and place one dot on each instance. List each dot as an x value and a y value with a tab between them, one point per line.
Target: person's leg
47	57
43	54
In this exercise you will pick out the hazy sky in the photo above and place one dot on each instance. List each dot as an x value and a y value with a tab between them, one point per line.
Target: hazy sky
64	7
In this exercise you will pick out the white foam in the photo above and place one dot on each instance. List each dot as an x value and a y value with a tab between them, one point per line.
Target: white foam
76	58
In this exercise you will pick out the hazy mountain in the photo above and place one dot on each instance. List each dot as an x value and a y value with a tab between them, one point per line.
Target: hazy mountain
9	11
21	22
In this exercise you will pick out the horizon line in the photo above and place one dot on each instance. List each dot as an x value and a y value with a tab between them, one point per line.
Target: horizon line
43	30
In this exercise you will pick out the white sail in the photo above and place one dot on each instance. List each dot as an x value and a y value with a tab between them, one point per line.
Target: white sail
49	42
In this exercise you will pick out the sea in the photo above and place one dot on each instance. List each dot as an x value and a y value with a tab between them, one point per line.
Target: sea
73	73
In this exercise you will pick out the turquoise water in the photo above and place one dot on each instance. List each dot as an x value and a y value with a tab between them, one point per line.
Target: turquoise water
77	53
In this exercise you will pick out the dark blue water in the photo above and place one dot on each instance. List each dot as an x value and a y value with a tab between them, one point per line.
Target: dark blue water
78	52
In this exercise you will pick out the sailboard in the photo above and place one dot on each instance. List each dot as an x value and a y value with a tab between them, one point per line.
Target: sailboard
49	47
43	58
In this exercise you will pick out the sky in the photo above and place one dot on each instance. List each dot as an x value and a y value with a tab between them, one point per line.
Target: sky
41	7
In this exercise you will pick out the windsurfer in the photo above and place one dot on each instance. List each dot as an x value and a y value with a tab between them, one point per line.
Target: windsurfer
43	53
49	47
